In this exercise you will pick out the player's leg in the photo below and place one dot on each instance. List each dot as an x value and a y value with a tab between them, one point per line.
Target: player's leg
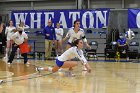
25	58
12	54
18	53
8	45
60	46
69	64
56	46
59	64
50	48
46	48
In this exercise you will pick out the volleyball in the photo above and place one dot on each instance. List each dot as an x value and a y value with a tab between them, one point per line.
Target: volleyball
129	34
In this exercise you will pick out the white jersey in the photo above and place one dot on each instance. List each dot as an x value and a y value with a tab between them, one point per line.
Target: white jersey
19	39
71	53
59	31
9	32
72	35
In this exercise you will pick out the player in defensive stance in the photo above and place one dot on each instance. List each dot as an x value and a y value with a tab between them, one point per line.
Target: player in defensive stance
63	61
75	33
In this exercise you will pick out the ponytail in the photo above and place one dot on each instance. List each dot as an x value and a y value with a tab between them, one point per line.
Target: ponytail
75	42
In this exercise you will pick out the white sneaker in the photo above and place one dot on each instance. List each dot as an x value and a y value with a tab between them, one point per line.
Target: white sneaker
28	63
84	68
1	81
18	56
39	69
8	63
5	59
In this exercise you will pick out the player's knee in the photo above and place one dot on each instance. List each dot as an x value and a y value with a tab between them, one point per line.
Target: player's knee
54	70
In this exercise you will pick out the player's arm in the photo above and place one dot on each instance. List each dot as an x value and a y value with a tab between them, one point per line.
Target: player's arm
84	61
66	37
13	37
85	40
62	32
25	38
26	27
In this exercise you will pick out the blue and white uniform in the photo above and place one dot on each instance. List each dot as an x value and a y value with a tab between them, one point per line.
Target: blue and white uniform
69	54
59	31
72	35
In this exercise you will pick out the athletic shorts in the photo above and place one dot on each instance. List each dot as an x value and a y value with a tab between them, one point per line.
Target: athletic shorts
59	63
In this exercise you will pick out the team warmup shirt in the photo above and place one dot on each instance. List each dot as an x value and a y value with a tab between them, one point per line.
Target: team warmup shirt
19	39
122	41
72	35
71	53
59	31
51	31
9	32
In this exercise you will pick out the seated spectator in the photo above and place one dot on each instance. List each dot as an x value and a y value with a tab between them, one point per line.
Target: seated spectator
122	44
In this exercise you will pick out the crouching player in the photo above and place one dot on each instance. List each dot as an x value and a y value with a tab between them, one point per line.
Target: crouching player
63	61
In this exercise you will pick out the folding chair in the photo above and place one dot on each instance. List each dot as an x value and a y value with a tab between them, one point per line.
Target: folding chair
111	52
92	52
133	51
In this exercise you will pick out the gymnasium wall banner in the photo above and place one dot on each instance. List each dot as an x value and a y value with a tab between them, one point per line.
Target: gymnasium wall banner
38	18
133	18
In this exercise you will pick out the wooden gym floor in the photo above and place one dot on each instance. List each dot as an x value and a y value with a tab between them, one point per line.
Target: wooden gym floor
106	77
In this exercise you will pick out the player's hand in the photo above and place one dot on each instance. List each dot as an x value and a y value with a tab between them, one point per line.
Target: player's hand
88	46
88	67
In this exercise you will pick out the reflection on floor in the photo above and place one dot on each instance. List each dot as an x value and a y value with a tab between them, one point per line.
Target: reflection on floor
106	77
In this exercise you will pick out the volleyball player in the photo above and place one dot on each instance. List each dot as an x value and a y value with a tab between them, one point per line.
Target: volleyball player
75	33
63	61
17	39
9	31
59	35
22	26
